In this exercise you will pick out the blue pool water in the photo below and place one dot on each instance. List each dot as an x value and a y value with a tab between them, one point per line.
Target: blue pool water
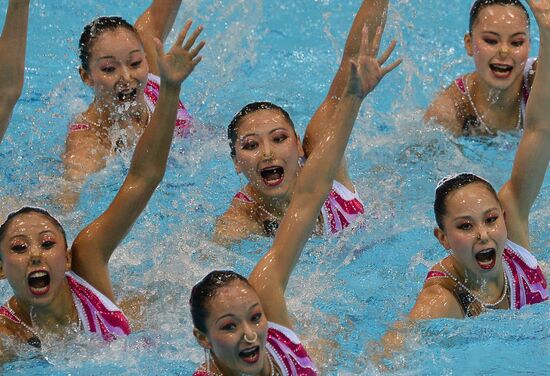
349	289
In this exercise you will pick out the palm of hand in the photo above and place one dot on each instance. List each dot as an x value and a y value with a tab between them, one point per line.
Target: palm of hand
367	70
182	58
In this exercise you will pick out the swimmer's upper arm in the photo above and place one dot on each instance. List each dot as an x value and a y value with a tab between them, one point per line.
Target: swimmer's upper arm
156	22
435	302
443	111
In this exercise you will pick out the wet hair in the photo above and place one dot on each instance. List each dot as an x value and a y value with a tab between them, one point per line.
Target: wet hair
247	110
205	290
479	5
450	184
30	209
94	29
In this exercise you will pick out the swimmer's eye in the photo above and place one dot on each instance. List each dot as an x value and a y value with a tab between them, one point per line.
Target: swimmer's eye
492	219
136	64
48	244
249	145
19	248
280	138
257	317
108	69
518	43
229	327
465	226
490	41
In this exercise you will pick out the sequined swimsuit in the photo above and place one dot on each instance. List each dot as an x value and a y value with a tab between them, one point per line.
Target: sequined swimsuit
287	352
97	313
341	208
526	281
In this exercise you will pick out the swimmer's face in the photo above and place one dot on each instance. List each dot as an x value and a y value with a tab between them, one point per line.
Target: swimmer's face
267	152
34	258
474	229
500	45
117	68
235	312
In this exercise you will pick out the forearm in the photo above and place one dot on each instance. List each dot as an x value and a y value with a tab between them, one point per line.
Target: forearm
373	14
536	113
151	153
12	50
159	18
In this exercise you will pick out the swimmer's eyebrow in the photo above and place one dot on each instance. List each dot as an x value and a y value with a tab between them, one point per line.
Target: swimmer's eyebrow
232	315
255	134
498	35
112	57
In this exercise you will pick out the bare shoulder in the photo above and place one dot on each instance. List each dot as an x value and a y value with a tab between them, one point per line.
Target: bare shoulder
445	109
436	301
237	223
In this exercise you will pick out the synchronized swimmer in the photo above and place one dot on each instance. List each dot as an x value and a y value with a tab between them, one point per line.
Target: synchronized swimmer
293	189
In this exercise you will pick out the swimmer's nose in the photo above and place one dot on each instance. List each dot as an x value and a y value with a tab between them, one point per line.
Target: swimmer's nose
35	255
503	51
267	151
125	74
482	235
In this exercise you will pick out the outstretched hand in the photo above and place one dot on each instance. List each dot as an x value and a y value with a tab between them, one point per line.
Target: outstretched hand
541	11
182	58
367	70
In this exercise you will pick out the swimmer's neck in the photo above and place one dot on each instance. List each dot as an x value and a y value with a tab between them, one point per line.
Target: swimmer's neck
487	286
277	206
106	115
58	314
485	96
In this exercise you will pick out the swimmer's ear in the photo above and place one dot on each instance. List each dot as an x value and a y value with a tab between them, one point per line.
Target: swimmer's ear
85	76
68	259
202	339
442	238
2	274
468	44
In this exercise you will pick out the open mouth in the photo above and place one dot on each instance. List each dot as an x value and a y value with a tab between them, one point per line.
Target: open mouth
251	355
273	175
486	259
127	95
39	282
501	70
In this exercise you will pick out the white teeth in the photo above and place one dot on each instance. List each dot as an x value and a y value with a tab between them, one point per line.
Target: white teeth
38	274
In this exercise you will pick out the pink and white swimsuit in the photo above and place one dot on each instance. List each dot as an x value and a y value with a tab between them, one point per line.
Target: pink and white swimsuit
526	281
184	121
287	352
97	313
525	88
341	208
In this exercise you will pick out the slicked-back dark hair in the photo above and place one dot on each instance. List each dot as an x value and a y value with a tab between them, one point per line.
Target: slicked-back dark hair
30	209
94	29
205	290
249	109
449	185
479	5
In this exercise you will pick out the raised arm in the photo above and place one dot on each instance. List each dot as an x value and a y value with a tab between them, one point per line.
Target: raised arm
271	274
156	22
12	59
519	193
95	244
373	14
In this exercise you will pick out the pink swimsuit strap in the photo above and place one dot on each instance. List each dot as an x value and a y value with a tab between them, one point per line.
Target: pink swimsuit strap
5	312
459	82
436	274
